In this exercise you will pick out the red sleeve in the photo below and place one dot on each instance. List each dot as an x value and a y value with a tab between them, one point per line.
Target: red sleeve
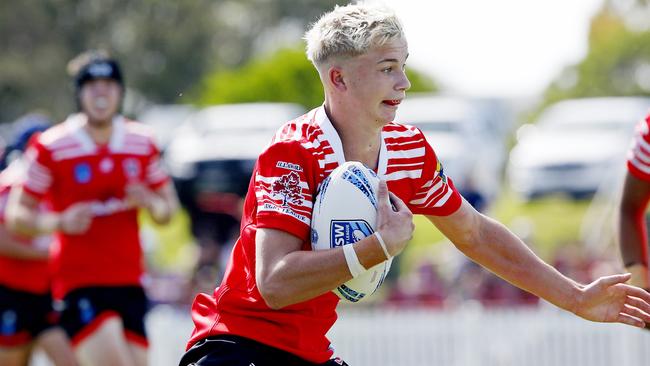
638	159
435	193
284	189
155	175
38	169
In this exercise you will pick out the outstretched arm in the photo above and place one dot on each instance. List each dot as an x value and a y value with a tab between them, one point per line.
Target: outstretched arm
492	245
632	231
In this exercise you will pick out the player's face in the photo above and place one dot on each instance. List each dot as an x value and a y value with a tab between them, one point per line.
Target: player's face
377	82
100	99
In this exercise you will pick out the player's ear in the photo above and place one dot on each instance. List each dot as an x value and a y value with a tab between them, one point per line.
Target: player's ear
336	79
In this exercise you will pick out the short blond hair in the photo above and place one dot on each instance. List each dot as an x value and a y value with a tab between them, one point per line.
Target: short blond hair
350	31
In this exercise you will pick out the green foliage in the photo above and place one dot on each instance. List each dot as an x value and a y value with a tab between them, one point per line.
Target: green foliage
285	76
617	63
165	47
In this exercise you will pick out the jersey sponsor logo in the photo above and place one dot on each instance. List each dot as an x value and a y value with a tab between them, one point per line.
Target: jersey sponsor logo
106	165
131	168
289	166
82	173
286	211
288	188
343	232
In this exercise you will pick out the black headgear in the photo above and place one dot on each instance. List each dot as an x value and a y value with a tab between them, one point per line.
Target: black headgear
98	69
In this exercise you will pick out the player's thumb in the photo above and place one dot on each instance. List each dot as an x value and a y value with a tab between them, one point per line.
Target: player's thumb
382	193
614	279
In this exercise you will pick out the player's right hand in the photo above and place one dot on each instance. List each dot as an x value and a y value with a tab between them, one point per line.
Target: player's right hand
394	222
76	219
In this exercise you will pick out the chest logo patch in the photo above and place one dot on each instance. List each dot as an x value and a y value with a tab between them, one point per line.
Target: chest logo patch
106	165
131	168
82	173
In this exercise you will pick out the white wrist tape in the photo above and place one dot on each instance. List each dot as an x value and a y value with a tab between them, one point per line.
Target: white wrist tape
352	260
383	245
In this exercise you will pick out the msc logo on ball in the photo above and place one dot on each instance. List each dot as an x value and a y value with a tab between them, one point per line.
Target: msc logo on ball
344	232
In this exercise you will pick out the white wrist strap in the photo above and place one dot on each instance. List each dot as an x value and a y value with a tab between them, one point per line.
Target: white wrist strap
352	260
383	245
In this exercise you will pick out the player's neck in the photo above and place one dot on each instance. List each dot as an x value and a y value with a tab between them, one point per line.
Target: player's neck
99	131
361	141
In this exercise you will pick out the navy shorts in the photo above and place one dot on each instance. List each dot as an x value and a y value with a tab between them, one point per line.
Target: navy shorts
85	309
229	350
24	316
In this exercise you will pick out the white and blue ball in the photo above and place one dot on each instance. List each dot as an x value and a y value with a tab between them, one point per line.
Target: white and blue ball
345	211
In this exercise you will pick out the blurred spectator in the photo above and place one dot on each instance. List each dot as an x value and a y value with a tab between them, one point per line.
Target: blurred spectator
424	286
215	215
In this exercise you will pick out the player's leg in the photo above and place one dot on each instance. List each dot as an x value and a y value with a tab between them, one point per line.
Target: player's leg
95	330
16	336
133	308
49	336
104	345
57	347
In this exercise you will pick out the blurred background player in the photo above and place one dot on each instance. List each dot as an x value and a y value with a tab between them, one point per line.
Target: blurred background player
633	236
96	169
27	317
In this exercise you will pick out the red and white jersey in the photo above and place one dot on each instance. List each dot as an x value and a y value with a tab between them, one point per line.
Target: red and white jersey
29	275
65	167
284	185
638	163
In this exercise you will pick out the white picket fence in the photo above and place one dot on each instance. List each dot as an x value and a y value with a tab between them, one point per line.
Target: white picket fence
468	336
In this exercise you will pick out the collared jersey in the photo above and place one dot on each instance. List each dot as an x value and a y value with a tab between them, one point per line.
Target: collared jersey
65	167
638	159
280	196
29	275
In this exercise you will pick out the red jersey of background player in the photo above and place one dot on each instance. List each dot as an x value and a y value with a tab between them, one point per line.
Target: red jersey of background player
29	275
284	185
65	166
638	163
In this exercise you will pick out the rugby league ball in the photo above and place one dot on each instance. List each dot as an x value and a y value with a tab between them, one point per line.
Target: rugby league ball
344	212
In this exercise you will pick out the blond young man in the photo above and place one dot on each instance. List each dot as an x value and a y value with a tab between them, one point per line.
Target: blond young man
275	305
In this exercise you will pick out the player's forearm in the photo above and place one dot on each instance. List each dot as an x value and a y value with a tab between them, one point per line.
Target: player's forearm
17	250
500	251
632	238
163	205
32	222
304	275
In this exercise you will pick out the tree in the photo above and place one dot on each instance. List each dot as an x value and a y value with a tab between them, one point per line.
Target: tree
165	47
618	60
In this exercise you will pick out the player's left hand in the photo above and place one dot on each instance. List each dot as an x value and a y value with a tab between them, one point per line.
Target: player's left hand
139	195
608	299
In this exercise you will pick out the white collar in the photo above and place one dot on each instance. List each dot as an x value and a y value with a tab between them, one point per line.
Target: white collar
331	135
75	123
